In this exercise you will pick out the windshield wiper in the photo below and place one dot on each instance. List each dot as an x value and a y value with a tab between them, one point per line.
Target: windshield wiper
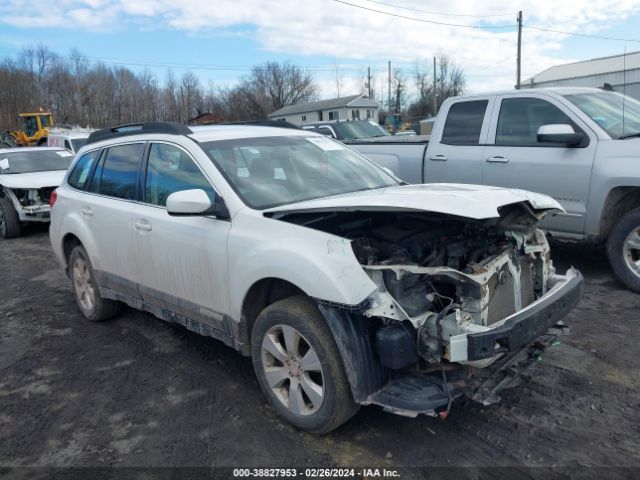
629	135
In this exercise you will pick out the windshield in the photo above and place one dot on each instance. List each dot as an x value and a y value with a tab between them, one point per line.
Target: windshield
78	143
271	171
354	130
34	161
605	108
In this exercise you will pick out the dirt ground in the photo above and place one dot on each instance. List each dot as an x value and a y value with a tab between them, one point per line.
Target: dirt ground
137	392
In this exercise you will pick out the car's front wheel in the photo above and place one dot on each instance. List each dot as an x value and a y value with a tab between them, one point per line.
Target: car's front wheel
9	219
623	249
85	288
299	367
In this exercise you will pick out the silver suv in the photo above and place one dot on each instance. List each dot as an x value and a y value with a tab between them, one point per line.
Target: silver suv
345	286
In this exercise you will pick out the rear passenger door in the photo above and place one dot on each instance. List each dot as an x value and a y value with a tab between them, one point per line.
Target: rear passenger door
106	209
514	157
181	260
455	149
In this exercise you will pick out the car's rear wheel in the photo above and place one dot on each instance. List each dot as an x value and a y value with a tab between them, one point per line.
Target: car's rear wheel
9	219
623	249
299	367
85	288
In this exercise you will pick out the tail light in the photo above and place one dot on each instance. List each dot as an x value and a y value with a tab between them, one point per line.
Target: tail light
53	198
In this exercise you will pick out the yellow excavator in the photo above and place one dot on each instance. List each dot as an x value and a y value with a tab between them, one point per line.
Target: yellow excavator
35	130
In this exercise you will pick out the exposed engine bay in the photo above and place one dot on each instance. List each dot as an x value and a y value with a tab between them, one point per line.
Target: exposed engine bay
440	276
31	204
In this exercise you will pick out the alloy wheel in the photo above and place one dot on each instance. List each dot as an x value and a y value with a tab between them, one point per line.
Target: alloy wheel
292	370
83	284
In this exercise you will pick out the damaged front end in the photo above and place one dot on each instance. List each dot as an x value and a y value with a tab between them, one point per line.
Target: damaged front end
462	306
32	204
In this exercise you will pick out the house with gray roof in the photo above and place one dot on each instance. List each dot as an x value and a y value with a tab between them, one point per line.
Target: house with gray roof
619	72
353	107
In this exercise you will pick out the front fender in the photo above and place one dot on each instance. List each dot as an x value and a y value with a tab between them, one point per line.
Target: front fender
322	265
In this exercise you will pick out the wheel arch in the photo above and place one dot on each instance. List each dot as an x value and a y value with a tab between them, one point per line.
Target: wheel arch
619	201
259	296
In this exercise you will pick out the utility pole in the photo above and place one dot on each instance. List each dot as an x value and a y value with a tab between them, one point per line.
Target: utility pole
389	104
519	70
369	81
435	89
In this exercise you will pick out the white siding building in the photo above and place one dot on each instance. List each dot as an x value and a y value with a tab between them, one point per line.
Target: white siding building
621	72
354	107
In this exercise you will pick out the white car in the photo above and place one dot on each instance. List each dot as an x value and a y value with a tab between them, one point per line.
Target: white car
27	178
345	286
69	139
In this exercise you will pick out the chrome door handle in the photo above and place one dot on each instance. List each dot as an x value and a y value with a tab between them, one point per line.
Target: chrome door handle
438	158
142	226
86	212
497	159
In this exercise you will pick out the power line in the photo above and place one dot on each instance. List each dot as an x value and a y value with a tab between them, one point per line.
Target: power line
476	27
602	37
443	13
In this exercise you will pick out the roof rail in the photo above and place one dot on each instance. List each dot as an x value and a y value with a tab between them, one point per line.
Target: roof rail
264	123
173	128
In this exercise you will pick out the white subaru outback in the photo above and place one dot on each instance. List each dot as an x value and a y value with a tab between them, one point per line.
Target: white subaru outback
345	286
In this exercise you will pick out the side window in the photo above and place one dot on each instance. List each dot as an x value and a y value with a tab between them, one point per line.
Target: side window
464	123
67	145
520	119
82	171
171	170
120	171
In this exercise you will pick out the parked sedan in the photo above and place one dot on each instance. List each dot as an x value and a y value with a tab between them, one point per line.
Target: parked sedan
28	176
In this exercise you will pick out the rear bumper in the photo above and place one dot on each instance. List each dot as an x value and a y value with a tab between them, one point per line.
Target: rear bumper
525	326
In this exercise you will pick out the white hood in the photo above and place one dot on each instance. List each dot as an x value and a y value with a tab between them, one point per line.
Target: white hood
33	180
471	201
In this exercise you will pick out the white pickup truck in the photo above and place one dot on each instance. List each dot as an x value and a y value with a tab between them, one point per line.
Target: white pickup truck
579	145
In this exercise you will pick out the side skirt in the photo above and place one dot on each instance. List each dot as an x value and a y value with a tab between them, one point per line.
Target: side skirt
224	331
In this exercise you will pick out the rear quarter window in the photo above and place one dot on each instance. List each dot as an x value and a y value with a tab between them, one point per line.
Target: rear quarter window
81	173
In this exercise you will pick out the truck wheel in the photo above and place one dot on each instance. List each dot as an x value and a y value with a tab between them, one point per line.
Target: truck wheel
623	249
86	291
299	367
9	219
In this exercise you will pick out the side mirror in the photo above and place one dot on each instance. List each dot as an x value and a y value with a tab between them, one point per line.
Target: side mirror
188	202
561	134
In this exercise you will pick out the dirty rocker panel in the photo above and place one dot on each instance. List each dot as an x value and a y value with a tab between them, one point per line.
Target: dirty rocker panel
525	326
171	309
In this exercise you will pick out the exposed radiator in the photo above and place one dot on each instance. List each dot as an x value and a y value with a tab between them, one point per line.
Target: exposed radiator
502	287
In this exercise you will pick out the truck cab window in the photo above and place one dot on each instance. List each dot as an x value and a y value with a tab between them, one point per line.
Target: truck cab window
520	119
464	123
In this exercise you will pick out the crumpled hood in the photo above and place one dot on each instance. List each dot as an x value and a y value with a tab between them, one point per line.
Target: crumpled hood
33	180
471	201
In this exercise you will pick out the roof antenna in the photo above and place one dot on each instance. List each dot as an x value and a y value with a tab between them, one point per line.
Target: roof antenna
624	85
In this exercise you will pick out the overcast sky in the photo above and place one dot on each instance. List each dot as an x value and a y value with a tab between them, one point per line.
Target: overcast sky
220	40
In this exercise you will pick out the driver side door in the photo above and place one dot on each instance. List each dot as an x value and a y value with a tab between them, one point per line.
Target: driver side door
181	260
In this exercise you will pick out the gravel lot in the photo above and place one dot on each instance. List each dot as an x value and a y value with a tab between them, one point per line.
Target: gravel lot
137	392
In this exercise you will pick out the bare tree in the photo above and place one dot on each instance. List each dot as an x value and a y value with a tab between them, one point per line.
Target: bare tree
450	81
398	88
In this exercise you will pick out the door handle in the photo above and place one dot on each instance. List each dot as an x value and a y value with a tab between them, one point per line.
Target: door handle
438	158
86	212
142	226
497	159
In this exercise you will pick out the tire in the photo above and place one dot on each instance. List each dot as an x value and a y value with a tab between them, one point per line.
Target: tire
300	315
623	250
9	219
86	291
